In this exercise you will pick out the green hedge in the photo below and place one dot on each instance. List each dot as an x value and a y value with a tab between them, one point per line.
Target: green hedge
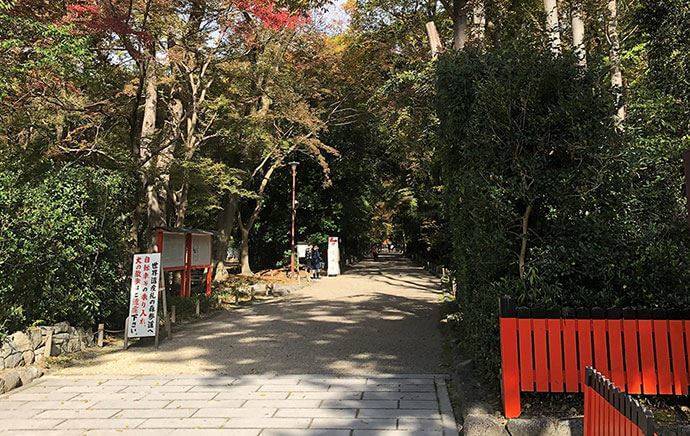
62	246
521	129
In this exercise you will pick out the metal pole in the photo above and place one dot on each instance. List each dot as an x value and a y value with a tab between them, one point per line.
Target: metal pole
293	246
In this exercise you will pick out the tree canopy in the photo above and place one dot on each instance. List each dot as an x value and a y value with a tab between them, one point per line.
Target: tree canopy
536	152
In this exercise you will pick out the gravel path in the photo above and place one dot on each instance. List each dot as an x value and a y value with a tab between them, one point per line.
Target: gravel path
356	355
378	318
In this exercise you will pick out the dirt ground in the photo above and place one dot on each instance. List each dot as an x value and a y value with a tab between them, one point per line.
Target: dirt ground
377	318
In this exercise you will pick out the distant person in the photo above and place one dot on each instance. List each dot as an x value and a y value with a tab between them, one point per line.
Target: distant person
307	260
316	262
375	252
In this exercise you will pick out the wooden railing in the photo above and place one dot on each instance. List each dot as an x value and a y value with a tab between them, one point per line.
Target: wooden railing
549	350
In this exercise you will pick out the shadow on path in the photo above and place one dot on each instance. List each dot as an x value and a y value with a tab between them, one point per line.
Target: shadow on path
379	317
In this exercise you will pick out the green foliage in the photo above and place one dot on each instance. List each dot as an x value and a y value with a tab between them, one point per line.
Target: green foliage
527	136
61	246
28	46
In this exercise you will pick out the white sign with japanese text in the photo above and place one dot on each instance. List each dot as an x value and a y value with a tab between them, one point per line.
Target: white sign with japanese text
143	299
333	256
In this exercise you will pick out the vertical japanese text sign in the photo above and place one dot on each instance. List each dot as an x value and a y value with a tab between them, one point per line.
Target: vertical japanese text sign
143	299
333	256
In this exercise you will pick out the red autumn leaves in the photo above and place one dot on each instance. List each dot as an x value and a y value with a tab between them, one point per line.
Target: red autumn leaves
115	15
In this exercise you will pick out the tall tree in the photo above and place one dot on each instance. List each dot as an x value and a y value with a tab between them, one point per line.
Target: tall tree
578	28
553	26
617	86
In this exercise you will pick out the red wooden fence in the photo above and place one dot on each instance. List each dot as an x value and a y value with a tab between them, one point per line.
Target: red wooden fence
610	412
549	351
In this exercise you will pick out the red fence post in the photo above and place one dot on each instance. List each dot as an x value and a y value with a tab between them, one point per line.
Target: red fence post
209	270
509	360
187	281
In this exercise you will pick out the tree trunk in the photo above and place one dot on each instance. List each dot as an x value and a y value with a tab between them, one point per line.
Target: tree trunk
578	25
166	158
244	250
523	244
434	39
459	24
478	21
553	28
154	209
224	228
615	55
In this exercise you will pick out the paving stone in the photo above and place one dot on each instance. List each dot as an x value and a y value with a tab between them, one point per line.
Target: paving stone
310	432
396	433
216	432
60	405
292	388
29	424
17	414
359	404
43	433
236	412
399	413
124	404
39	389
86	389
425	396
95	424
251	396
77	414
199	404
417	388
202	381
129	432
154	388
132	382
121	396
416	404
325	395
316	413
50	381
355	423
155	413
222	388
402	381
160	396
11	405
183	423
268	423
251	381
177	405
337	381
281	404
21	396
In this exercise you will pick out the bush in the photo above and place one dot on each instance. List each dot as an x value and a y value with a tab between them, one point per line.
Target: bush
529	138
62	246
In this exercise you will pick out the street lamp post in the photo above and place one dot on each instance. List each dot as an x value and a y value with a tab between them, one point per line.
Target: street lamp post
293	246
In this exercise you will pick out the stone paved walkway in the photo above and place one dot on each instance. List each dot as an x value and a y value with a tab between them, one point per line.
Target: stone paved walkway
248	405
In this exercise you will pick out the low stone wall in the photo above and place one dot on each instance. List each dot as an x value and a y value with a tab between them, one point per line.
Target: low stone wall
23	353
29	347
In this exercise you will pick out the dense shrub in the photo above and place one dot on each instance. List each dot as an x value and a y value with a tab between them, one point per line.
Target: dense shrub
61	246
529	137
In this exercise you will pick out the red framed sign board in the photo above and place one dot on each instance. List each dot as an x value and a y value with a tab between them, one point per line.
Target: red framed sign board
186	250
